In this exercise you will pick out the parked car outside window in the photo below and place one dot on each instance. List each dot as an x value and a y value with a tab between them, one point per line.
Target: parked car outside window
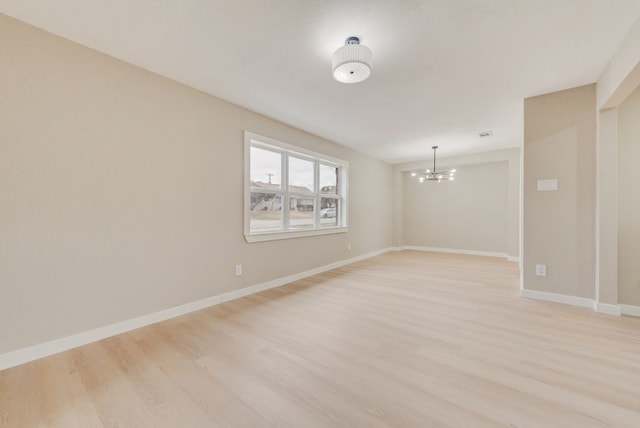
328	212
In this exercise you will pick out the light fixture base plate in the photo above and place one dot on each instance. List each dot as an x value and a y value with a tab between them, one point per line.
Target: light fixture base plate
351	72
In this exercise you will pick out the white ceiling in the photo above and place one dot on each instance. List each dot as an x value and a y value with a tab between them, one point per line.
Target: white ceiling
444	70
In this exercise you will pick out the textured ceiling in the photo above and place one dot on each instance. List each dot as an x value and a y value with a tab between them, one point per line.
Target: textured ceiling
444	70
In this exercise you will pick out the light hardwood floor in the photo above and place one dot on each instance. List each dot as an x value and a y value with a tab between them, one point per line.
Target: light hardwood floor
404	339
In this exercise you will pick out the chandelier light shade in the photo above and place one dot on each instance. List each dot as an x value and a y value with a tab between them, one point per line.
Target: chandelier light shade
434	174
352	62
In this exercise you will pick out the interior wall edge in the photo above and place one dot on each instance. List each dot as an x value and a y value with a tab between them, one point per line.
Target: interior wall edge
610	89
608	308
631	310
583	302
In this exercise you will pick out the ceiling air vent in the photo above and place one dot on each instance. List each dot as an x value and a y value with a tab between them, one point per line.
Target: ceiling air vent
485	134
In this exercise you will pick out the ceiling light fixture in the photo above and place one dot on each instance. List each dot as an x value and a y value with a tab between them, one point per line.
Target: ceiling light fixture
352	62
434	174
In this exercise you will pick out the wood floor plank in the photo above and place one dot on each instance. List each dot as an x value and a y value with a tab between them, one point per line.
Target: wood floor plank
111	392
223	408
406	339
60	379
21	396
156	389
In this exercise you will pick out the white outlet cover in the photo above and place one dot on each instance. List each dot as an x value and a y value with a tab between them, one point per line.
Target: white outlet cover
547	185
541	270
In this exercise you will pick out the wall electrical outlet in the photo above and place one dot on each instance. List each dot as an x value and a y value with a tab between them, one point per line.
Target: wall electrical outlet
349	246
238	270
541	270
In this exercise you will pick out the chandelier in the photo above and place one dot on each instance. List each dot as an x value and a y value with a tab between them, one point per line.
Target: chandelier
434	174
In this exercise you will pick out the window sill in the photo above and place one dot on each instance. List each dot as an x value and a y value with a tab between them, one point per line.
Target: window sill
261	237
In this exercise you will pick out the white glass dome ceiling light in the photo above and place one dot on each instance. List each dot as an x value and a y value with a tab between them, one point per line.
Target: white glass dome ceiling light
352	62
434	174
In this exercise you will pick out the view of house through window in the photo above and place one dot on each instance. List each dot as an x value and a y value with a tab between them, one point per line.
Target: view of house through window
293	190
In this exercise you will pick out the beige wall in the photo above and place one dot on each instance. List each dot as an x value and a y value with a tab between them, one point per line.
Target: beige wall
470	213
121	193
629	200
515	202
478	211
398	206
607	207
559	226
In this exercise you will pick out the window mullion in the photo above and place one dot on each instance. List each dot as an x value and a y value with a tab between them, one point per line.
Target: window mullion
316	190
342	196
285	191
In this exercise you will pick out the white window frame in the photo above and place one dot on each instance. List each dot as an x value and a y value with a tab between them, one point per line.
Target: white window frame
255	140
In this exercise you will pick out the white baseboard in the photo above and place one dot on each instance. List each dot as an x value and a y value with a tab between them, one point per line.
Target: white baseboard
558	298
231	295
31	353
607	308
583	302
513	259
456	251
630	310
35	352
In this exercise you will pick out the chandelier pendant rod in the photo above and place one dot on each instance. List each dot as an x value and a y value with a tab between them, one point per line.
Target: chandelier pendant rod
434	158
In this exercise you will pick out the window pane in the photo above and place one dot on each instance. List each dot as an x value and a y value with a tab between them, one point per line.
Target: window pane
266	168
329	213
300	175
265	214
301	213
328	179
